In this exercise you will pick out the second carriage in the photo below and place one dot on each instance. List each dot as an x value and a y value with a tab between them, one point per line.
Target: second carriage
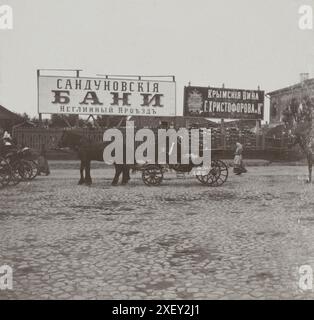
217	175
214	176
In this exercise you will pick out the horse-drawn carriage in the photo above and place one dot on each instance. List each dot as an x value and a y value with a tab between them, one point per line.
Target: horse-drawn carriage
152	172
17	165
212	175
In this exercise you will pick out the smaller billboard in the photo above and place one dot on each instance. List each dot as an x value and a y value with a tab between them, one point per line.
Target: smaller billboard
222	103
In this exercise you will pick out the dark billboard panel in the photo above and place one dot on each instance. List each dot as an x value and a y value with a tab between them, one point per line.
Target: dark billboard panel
223	103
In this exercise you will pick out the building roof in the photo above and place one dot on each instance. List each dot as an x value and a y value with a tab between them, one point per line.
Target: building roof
307	83
6	114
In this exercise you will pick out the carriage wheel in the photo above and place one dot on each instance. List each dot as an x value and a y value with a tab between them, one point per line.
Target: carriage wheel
217	175
212	175
152	175
35	168
5	173
223	176
15	177
26	170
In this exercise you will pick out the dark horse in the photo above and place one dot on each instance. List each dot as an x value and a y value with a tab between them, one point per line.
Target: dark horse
88	151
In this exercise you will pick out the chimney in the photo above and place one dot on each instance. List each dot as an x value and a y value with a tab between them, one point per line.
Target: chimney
304	77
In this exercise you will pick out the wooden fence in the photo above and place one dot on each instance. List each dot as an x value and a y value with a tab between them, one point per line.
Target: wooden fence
38	137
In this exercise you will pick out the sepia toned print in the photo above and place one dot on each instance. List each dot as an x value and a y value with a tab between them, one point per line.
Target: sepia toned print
156	150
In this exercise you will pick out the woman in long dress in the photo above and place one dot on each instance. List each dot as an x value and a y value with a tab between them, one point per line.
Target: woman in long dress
238	166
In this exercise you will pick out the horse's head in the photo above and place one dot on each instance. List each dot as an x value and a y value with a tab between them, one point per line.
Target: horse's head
68	139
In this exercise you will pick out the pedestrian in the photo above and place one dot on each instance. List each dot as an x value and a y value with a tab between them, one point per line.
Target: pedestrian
238	166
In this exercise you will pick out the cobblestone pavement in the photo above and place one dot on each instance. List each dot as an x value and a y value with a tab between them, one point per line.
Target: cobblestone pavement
181	240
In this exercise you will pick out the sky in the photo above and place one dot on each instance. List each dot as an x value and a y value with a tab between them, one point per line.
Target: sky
243	43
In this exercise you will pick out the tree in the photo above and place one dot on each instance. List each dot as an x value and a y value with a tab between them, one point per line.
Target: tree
24	116
111	121
61	121
298	118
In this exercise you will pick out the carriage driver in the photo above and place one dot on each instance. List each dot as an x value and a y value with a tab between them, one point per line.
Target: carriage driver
7	139
6	142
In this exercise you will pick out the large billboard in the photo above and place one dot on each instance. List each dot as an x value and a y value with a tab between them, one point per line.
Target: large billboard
106	96
223	103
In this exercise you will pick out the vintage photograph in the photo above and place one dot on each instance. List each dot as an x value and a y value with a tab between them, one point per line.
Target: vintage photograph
156	150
